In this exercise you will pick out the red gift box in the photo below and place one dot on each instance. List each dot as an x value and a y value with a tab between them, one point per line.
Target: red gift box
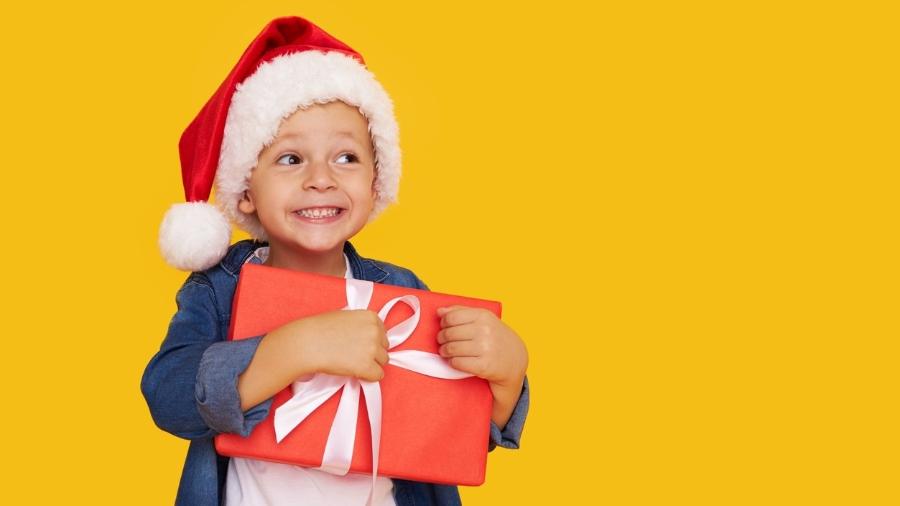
433	429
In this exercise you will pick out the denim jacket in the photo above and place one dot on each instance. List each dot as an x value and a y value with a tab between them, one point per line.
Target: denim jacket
190	384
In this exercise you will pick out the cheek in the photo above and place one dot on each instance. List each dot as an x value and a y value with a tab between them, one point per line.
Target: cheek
364	194
360	186
270	196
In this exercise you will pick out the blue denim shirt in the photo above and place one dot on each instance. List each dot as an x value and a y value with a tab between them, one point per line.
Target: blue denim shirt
190	384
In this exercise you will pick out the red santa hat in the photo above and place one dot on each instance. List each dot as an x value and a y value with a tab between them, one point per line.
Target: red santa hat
291	64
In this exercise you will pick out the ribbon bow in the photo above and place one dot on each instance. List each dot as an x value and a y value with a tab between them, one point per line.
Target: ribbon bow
309	394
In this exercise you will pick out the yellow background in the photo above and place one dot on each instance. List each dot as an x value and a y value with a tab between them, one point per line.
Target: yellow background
688	210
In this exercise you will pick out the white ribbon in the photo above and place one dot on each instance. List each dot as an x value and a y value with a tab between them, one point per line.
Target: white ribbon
308	395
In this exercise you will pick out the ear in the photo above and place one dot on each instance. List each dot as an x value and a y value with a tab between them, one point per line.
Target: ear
246	205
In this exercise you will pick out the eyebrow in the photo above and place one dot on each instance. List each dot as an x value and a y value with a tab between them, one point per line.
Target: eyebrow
298	135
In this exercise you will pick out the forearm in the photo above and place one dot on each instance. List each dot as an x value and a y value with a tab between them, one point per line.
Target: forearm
168	387
505	399
278	361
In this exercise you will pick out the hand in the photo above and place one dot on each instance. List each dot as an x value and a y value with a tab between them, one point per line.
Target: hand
477	342
344	343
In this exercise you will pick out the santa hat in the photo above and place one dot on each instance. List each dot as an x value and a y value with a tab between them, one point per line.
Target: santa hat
291	64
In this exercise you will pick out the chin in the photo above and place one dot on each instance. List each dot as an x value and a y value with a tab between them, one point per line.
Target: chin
320	246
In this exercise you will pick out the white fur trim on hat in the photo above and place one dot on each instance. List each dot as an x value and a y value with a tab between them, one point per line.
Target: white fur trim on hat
194	236
275	91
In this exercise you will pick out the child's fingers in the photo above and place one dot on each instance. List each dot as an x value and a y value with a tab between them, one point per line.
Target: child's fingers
443	310
459	333
381	356
460	349
374	372
458	315
471	365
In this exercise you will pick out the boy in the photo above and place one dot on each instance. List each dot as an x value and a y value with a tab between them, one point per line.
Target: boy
306	155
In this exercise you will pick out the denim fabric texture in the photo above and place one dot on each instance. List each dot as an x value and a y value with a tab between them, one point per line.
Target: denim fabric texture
190	384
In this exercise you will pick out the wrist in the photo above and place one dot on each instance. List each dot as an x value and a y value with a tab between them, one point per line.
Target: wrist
512	383
505	400
510	388
302	350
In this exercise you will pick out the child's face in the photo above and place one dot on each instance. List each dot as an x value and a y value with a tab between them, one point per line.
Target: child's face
321	158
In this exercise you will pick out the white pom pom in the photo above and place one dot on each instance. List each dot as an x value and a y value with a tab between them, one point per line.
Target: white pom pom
194	236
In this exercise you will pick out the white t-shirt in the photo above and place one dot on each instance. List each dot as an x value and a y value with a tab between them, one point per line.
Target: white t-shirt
258	482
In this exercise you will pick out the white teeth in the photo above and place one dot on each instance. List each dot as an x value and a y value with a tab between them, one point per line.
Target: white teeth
318	212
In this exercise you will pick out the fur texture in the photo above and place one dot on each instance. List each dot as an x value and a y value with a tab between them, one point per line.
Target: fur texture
275	91
194	236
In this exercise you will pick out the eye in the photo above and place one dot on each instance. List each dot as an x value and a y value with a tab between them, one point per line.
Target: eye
351	156
295	158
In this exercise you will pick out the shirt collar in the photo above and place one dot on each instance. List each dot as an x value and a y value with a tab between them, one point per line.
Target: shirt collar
362	268
261	253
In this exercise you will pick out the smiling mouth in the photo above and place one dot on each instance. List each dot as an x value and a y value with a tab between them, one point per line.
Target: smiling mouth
320	213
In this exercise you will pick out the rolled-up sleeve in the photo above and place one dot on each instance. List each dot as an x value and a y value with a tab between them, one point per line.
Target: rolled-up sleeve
511	434
190	384
216	390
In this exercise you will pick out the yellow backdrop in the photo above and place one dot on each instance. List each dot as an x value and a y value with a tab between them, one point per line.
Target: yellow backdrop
688	210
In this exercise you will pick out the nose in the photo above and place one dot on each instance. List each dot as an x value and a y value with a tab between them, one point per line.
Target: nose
318	176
